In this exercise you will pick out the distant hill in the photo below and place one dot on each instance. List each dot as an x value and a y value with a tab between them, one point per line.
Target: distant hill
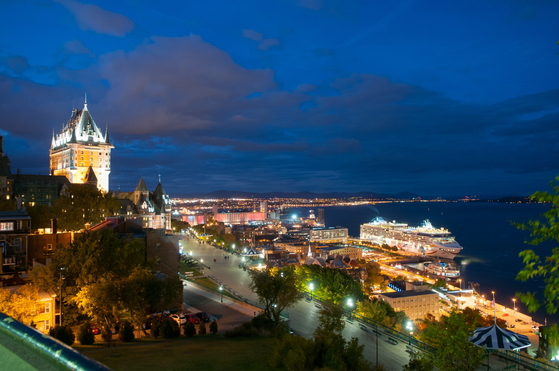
305	195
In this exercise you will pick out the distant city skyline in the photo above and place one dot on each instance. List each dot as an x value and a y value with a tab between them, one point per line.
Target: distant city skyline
439	98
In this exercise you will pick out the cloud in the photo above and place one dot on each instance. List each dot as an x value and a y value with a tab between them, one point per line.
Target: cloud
91	17
263	44
253	35
184	108
76	47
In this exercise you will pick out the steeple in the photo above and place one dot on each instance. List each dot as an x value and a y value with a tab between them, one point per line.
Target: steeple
85	103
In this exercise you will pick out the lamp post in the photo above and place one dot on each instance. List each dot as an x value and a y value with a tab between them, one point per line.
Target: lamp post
60	289
350	305
221	292
460	283
409	327
494	304
514	306
311	288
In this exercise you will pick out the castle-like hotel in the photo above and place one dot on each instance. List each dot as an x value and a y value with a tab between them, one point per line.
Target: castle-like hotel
81	152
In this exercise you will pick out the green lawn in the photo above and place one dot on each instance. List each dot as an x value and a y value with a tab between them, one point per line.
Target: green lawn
203	353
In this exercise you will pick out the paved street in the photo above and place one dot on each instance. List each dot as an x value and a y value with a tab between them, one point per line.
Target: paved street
303	317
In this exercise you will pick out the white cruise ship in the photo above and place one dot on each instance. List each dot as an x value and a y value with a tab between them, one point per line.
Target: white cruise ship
423	240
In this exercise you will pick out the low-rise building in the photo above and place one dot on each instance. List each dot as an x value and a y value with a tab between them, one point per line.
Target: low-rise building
416	304
14	229
329	235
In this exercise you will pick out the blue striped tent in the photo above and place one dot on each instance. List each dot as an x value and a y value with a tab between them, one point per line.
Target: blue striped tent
494	337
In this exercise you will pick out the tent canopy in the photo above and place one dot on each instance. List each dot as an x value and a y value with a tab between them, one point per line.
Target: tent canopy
494	337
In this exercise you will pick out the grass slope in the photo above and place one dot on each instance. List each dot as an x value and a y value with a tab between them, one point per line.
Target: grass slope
199	353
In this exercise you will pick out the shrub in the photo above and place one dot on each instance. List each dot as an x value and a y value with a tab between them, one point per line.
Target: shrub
213	327
126	332
189	329
106	334
63	333
258	326
155	330
169	328
85	335
202	328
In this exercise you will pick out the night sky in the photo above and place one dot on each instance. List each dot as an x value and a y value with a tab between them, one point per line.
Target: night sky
432	97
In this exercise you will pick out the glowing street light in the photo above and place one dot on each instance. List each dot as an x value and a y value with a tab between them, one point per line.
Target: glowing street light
514	305
311	288
221	292
460	283
350	305
409	327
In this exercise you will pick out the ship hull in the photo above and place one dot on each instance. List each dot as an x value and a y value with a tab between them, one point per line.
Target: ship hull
409	240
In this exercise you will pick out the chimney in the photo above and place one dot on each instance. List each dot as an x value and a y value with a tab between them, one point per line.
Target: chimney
54	225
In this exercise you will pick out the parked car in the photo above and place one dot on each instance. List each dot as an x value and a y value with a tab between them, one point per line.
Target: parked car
193	318
95	330
179	318
203	316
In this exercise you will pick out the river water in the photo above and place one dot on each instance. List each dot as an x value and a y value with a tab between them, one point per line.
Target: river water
491	243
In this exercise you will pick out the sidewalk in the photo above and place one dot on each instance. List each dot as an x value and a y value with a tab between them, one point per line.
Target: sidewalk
239	306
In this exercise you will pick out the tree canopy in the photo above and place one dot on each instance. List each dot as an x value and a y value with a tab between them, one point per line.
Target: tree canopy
83	204
541	230
450	336
332	285
103	274
276	289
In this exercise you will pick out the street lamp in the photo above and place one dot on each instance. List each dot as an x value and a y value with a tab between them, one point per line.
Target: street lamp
460	283
409	327
494	306
311	288
221	292
350	305
514	305
60	288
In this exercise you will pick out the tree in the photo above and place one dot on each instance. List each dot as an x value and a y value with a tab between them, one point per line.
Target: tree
105	275
450	336
189	329
83	204
544	229
202	328
63	333
85	336
418	362
179	225
327	350
20	304
375	280
382	312
213	327
333	285
126	332
277	289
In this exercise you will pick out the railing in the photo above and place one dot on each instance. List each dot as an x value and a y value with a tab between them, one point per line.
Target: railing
39	349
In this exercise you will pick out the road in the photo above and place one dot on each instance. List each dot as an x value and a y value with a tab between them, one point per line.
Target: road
303	317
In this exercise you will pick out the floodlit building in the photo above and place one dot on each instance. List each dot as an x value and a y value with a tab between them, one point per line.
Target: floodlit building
81	152
329	234
152	208
416	304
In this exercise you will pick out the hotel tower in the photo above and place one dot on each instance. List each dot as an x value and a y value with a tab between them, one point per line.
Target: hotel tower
81	152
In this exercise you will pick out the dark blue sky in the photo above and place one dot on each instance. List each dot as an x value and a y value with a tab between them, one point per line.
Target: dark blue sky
432	97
